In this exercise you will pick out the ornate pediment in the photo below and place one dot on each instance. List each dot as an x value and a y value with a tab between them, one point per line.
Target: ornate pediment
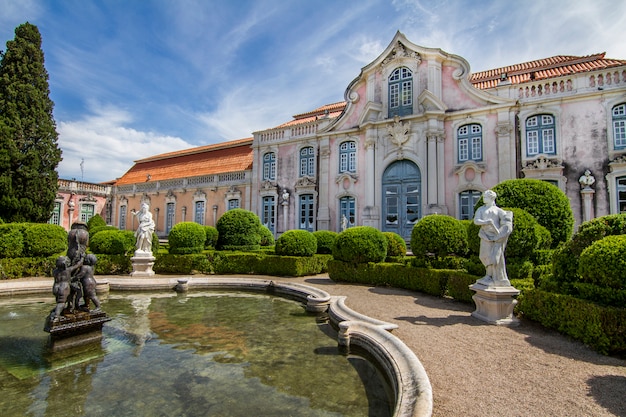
305	182
400	51
268	185
543	163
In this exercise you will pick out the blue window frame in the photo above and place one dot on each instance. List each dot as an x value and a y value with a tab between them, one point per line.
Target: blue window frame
467	201
540	136
55	217
400	92
621	195
307	212
347	156
347	211
233	204
307	162
199	212
122	219
619	126
170	212
269	212
269	166
470	143
86	212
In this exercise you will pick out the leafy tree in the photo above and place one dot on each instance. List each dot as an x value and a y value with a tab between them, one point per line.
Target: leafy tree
29	153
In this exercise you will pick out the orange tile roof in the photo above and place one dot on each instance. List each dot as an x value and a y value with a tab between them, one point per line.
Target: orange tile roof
328	110
542	69
231	156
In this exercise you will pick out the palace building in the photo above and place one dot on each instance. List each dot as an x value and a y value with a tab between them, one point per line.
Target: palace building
416	134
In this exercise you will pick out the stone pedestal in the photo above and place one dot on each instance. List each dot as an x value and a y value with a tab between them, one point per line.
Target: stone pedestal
495	304
142	264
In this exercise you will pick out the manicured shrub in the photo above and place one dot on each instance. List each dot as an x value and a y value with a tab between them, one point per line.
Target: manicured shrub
156	245
44	239
113	242
95	221
438	236
97	229
360	244
238	229
603	263
544	201
187	237
11	240
211	237
325	241
267	237
396	246
296	243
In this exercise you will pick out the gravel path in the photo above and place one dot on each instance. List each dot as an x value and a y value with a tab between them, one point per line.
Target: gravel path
477	369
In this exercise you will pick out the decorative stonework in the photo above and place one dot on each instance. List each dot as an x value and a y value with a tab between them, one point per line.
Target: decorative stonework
268	186
543	163
399	131
347	179
400	51
305	182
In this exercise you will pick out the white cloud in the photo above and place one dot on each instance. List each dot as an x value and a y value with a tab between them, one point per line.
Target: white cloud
107	145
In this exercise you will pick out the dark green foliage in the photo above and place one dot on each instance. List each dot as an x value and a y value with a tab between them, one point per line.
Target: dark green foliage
267	238
211	237
263	264
238	228
11	268
396	246
44	239
95	221
183	264
360	244
29	153
113	265
12	240
603	263
458	287
95	229
156	245
438	236
296	243
112	242
325	241
544	201
566	256
187	237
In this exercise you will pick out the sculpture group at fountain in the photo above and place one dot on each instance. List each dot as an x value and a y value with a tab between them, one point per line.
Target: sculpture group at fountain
74	289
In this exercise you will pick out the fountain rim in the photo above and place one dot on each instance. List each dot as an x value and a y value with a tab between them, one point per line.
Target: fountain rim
411	385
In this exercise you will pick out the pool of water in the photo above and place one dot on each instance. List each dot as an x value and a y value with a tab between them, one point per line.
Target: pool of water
196	354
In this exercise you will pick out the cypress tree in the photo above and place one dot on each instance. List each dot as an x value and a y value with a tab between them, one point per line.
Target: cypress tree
29	153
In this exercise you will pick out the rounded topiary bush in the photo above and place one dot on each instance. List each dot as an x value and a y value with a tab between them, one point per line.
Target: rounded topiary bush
325	241
187	237
267	237
96	229
544	201
44	239
360	244
95	221
439	236
11	240
296	243
603	263
113	242
238	230
396	246
528	236
211	237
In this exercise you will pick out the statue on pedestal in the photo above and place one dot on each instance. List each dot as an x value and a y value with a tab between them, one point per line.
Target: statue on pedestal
145	230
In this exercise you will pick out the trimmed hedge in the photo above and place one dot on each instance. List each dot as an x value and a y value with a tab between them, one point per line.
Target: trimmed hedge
113	265
267	237
259	263
296	243
439	236
43	239
396	246
186	238
238	228
11	268
183	264
603	263
112	242
325	241
211	237
360	244
12	240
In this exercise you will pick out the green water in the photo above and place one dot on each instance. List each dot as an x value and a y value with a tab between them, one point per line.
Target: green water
201	354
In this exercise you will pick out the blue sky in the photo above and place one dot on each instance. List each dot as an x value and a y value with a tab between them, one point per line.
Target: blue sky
135	78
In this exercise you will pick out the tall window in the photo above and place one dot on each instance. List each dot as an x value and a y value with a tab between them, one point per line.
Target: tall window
86	212
467	201
347	212
122	219
233	204
400	92
347	156
268	214
199	212
619	126
470	140
55	217
621	195
306	212
307	162
170	212
269	166
540	135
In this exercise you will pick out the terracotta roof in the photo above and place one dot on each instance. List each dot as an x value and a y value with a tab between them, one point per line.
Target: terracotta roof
329	110
542	69
231	156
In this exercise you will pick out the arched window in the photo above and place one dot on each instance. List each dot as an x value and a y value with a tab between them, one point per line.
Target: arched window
307	162
540	137
467	201
400	86
470	143
269	166
619	126
347	156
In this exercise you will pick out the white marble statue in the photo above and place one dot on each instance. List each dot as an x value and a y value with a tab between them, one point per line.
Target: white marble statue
586	180
145	229
495	227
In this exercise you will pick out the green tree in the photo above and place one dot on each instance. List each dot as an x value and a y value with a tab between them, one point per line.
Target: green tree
29	153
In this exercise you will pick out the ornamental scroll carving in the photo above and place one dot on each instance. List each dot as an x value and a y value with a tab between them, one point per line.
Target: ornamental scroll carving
399	132
400	51
544	163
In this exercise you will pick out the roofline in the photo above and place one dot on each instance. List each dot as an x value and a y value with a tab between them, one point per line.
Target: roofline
196	150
